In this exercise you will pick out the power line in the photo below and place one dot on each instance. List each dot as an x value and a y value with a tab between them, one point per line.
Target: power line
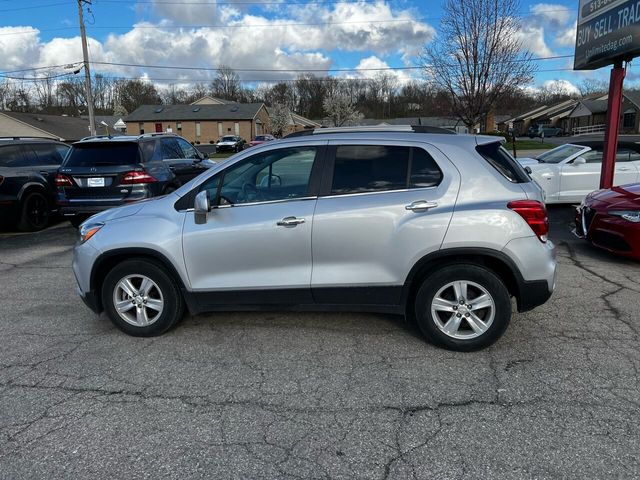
250	70
257	80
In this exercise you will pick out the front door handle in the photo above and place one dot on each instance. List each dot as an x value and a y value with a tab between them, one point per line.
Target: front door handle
420	206
290	222
44	172
624	169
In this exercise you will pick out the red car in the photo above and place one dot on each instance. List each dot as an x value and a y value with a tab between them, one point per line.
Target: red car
610	219
260	139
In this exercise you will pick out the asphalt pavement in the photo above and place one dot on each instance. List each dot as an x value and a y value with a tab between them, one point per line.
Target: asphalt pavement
316	395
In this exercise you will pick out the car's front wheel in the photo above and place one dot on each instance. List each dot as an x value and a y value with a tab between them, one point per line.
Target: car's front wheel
463	307
141	298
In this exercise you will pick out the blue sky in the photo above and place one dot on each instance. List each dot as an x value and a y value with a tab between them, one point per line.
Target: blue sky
365	34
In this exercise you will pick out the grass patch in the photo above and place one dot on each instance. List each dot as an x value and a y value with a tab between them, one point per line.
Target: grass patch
220	155
529	145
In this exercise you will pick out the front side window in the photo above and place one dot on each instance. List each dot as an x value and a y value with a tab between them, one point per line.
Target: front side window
559	154
593	156
187	149
275	175
171	149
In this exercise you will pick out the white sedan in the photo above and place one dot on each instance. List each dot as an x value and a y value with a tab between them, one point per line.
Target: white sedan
569	172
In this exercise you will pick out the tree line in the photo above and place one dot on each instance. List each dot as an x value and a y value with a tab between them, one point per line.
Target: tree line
475	66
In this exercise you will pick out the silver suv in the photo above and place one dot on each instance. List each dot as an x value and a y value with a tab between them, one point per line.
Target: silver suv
442	228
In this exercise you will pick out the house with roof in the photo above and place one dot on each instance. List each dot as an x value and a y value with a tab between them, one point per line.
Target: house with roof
59	127
590	114
201	122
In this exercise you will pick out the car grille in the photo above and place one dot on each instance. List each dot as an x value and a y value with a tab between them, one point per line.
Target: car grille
610	241
587	218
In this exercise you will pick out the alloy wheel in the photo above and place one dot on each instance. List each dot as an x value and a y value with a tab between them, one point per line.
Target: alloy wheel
138	300
463	310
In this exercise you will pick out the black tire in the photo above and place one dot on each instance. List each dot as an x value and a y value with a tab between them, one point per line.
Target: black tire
173	303
475	274
35	212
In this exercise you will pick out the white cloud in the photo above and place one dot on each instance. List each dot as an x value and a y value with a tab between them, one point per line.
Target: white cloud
292	37
551	14
533	40
567	38
373	62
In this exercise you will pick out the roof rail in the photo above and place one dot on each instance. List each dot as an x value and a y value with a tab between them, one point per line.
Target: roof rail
373	128
155	134
95	136
29	137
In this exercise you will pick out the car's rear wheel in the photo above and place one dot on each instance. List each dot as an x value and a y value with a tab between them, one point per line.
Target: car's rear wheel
463	307
141	298
35	212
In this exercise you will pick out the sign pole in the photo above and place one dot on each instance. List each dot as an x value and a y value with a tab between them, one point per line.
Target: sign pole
613	124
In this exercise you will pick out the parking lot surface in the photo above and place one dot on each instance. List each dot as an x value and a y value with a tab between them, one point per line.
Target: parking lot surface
316	395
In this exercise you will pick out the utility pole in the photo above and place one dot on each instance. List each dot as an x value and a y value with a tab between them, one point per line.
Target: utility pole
87	71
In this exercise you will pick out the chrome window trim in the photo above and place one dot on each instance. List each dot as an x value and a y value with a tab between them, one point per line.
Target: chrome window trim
268	202
402	190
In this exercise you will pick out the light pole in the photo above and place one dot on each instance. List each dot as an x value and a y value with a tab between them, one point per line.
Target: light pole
87	71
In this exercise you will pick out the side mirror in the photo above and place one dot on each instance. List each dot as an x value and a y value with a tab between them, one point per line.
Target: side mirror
201	207
528	170
205	155
579	161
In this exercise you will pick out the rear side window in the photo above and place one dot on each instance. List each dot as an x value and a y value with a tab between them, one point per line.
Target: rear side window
170	149
96	154
12	156
50	154
379	168
502	161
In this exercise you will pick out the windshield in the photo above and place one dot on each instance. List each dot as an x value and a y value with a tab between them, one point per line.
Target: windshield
228	139
260	138
96	154
560	153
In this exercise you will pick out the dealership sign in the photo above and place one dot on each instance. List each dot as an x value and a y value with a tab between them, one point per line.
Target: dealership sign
607	30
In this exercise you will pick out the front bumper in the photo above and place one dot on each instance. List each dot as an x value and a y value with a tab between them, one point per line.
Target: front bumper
608	232
84	257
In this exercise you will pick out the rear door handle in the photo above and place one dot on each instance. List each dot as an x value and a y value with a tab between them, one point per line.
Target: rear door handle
420	206
624	169
45	173
290	222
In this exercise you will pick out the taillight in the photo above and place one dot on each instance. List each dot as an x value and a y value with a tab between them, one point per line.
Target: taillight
130	178
63	181
535	214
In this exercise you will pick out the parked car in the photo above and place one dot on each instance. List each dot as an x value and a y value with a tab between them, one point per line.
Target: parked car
230	143
27	169
260	139
569	172
104	172
442	228
544	130
610	219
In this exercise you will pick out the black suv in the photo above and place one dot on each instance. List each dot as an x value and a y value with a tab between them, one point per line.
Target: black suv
103	172
27	169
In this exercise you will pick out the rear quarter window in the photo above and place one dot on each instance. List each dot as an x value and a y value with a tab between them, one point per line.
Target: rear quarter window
103	154
496	155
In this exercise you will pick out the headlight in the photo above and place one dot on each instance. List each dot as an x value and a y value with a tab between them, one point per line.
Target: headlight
88	230
629	215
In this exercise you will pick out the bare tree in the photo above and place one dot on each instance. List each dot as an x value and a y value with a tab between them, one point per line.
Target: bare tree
44	91
280	117
340	109
226	84
590	86
477	56
133	93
